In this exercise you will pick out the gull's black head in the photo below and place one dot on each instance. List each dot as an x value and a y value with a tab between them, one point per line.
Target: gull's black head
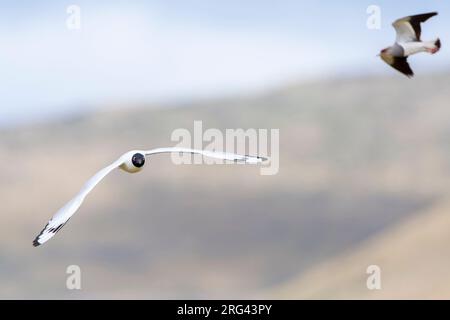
138	160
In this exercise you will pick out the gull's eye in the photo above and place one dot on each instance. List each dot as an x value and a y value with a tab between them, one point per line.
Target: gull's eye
138	160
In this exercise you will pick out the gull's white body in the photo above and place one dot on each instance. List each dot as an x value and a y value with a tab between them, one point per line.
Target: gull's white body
65	213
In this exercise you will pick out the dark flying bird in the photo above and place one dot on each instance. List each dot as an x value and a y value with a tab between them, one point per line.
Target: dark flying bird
408	42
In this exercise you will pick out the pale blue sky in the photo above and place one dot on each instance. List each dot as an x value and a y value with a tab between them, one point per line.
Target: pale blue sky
139	51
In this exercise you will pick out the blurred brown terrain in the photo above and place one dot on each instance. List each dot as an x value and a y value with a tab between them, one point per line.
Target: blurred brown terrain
364	179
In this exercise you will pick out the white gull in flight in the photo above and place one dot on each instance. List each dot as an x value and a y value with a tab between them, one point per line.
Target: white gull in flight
132	161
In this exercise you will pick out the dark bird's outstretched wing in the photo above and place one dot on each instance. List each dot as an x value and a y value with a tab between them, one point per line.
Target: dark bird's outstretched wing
401	64
408	28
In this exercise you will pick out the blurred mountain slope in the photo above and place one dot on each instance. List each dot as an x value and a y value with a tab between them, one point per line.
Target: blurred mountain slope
358	156
413	257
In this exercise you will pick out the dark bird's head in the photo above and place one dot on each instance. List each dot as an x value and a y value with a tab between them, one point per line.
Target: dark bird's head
133	162
383	52
386	56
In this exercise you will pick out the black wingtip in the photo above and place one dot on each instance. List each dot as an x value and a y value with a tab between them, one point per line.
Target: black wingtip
429	14
438	43
36	243
262	159
433	14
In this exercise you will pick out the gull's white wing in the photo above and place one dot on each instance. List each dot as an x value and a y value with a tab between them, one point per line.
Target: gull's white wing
211	154
409	29
63	215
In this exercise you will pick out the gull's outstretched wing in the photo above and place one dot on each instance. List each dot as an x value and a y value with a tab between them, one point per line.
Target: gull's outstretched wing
211	154
408	28
63	215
